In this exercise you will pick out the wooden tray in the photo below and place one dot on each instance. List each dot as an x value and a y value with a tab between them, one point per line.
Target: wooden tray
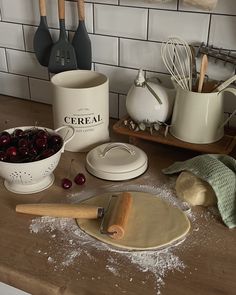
224	146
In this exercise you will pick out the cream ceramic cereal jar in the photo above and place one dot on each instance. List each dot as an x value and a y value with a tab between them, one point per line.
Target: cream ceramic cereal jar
81	100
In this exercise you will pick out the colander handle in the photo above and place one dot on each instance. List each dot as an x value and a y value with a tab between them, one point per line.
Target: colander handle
66	139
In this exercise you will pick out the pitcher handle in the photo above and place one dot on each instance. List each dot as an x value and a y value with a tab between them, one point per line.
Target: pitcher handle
233	91
226	83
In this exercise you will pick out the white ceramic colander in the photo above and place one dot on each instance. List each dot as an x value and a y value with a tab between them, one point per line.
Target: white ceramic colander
33	177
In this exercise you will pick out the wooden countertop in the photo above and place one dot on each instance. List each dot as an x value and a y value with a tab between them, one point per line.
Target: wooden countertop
55	258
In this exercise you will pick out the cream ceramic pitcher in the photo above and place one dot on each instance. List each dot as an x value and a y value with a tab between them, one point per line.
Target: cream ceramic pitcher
199	117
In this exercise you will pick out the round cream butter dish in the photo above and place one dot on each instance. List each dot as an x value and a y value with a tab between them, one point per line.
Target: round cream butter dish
116	161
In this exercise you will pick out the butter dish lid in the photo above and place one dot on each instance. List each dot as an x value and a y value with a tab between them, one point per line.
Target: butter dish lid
116	161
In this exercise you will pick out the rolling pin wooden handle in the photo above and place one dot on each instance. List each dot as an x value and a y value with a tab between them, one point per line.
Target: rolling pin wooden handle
120	215
62	210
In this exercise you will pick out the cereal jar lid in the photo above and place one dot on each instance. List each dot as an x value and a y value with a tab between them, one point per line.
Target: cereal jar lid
116	161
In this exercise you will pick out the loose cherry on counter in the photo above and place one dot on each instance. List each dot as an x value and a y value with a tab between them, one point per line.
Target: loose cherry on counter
80	179
66	183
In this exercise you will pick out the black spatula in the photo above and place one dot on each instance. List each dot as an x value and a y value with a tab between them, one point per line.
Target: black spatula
81	41
62	56
42	38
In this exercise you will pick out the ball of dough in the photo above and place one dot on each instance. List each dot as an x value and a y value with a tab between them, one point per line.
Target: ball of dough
194	190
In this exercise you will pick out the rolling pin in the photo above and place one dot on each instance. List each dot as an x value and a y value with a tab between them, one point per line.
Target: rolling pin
62	210
119	216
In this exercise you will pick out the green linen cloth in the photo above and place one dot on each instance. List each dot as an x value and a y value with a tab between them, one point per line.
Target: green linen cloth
220	172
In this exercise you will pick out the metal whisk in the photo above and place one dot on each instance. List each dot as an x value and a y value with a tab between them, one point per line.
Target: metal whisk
177	57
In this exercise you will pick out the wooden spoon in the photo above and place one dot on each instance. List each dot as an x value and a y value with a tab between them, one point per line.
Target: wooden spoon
203	69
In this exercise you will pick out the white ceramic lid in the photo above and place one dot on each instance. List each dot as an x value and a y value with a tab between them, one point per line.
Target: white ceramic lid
116	161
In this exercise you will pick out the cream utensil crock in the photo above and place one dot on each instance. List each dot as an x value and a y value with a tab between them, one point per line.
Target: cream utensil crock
81	100
199	117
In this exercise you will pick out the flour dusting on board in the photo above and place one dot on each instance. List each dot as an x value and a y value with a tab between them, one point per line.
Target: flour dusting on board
71	242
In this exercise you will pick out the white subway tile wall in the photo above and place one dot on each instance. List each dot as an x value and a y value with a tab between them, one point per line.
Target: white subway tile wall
26	64
40	90
121	21
148	53
125	34
104	49
14	85
114	105
193	27
222	33
11	36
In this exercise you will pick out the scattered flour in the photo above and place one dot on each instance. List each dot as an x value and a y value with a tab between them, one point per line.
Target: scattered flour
73	242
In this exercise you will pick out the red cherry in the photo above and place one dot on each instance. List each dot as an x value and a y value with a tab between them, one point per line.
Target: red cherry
80	179
3	156
23	151
18	133
47	153
11	151
5	139
55	140
30	133
66	183
41	143
33	152
5	133
23	142
42	134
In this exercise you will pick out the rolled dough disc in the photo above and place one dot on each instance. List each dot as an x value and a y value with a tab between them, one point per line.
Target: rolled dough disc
153	223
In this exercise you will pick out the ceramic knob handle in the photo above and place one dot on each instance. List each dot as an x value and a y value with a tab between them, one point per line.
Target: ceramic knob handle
117	146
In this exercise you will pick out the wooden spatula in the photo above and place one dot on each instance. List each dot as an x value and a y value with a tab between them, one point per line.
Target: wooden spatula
203	70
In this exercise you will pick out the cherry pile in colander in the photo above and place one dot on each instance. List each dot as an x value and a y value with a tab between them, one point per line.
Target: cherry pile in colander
29	145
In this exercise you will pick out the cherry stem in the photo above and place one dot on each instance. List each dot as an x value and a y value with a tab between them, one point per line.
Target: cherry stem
69	172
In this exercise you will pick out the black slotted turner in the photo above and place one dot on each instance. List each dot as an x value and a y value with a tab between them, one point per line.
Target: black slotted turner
62	56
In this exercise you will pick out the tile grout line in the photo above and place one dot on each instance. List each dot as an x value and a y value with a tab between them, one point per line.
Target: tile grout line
209	28
148	20
7	63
